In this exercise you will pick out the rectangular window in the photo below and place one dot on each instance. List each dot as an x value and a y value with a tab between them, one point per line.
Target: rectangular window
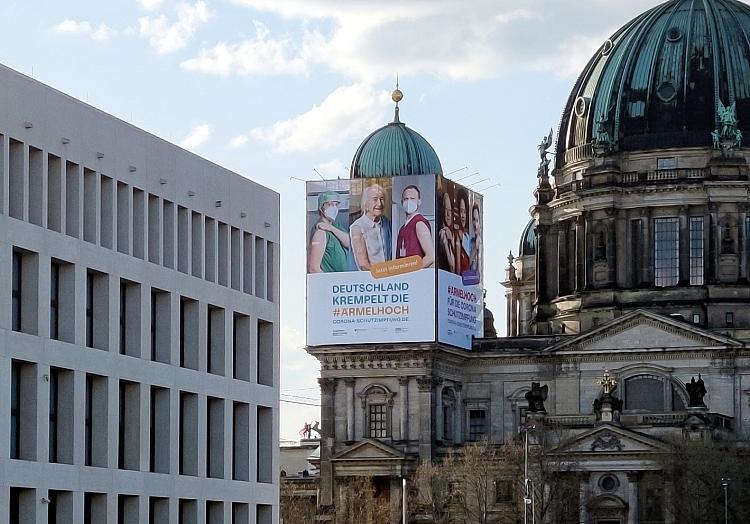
127	509
729	318
23	404
265	343
36	176
159	431
97	310
241	441
260	267
235	264
25	291
90	199
123	218
666	251
696	251
247	263
477	424
188	437
270	272
106	213
240	513
264	450
15	179
215	342
23	505
666	163
95	436
188	333
215	438
154	229
72	199
61	416
17	289
54	301
94	508
264	514
129	426
139	222
210	249
196	235
168	233
183	240
60	508
377	416
130	318
161	315
447	422
223	255
214	512
158	510
241	347
54	193
188	511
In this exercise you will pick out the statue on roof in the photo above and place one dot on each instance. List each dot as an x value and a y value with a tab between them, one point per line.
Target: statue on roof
728	136
536	397
602	142
544	150
696	391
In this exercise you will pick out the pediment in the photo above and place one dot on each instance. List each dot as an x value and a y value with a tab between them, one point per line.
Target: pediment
642	330
609	438
369	449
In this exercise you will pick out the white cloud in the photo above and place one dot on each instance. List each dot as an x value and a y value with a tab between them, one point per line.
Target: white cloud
238	141
333	169
100	33
197	137
348	111
150	5
167	37
259	55
446	38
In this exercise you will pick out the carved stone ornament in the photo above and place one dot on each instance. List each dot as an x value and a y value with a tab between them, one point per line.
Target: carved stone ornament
602	143
607	441
425	383
728	136
327	385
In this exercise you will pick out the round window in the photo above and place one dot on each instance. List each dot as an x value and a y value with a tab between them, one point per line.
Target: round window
608	483
666	92
674	34
581	106
607	47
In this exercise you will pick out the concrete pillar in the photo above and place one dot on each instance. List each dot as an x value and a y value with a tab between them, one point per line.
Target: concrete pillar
743	245
327	417
439	411
612	247
563	277
633	497
426	416
621	253
646	248
583	509
349	409
396	500
403	395
542	293
459	416
668	502
713	245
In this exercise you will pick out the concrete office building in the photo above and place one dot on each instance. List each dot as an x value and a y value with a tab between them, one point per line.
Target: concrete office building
139	374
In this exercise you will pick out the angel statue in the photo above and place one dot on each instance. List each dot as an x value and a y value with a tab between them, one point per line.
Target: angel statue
728	136
544	149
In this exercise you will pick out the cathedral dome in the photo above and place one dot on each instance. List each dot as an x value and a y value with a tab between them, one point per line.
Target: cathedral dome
395	150
661	81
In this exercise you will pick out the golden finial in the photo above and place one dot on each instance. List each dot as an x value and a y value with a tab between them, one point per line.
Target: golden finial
397	96
607	382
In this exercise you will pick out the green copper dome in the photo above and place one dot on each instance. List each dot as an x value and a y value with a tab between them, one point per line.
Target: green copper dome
669	78
395	150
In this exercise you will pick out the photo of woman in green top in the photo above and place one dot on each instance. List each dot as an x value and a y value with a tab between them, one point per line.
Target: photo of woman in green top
329	242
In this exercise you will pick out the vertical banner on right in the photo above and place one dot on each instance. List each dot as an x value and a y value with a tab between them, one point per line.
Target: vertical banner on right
460	264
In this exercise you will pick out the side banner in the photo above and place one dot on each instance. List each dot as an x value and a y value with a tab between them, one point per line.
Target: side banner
460	264
371	260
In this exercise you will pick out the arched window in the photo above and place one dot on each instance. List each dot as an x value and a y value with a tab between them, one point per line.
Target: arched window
449	413
377	403
600	249
653	393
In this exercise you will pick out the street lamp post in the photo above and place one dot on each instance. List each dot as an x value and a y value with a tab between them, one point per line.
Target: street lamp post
725	485
528	493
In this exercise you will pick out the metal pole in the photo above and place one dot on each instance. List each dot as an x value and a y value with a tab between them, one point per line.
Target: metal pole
525	474
403	500
725	484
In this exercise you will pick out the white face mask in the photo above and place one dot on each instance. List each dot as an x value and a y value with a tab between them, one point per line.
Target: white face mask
410	206
331	213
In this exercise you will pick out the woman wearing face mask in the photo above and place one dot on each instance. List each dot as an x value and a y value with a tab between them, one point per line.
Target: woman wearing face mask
415	236
328	242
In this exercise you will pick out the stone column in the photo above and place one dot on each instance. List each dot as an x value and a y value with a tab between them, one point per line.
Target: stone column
632	497
714	247
668	502
541	263
327	440
583	508
647	249
743	245
396	494
551	261
459	416
621	251
580	254
589	254
684	275
403	394
612	251
350	419
439	410
426	416
563	257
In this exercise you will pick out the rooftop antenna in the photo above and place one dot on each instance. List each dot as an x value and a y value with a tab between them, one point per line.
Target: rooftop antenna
475	173
318	173
480	182
456	171
397	96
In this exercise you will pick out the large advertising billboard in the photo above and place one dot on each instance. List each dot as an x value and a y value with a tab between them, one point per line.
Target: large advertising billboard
374	246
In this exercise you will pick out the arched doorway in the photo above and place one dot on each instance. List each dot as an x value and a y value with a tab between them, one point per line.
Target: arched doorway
608	509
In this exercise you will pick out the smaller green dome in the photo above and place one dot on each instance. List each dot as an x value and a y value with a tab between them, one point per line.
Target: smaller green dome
395	150
527	245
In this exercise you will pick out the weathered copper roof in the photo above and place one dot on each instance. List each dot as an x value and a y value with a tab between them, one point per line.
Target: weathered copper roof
395	150
527	245
658	81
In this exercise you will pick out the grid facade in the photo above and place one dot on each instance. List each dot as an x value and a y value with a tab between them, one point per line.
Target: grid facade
140	323
697	265
666	251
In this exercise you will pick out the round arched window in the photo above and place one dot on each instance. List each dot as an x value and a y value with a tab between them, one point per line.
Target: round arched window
644	393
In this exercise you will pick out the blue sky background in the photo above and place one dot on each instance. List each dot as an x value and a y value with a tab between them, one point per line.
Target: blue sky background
275	88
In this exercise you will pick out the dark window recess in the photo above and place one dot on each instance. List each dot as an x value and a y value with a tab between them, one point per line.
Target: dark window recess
378	420
477	424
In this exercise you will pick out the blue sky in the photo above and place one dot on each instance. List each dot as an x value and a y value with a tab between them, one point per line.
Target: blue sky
275	88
